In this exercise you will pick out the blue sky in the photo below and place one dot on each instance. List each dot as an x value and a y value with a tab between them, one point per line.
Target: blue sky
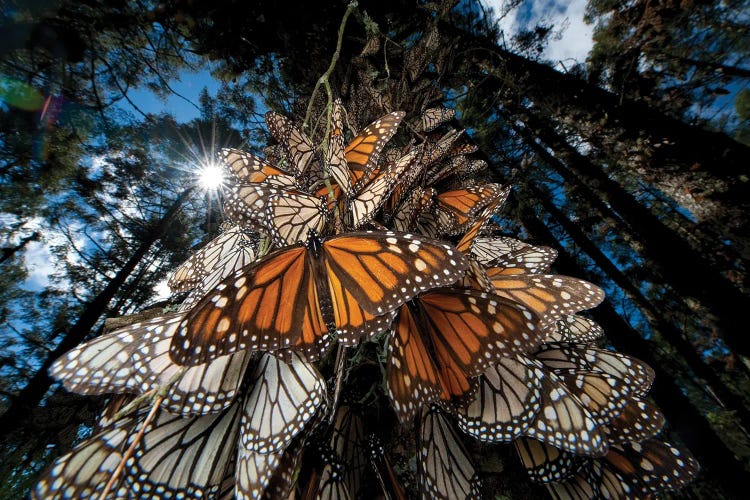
184	108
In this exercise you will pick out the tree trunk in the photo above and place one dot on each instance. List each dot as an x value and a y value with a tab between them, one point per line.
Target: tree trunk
688	152
718	461
688	270
30	396
676	338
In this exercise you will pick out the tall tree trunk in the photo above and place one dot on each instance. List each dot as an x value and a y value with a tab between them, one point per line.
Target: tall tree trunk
31	395
719	462
691	152
688	270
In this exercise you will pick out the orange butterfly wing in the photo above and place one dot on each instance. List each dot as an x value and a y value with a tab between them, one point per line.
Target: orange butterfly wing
470	329
467	240
382	270
457	209
271	304
550	296
250	169
413	379
455	335
363	152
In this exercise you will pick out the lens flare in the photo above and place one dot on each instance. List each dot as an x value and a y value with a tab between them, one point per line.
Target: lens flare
210	176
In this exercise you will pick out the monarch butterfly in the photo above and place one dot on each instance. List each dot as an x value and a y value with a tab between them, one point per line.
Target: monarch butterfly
456	210
245	204
445	168
576	329
574	488
336	154
298	146
427	224
232	243
384	470
274	154
283	399
468	240
405	217
326	480
602	395
549	296
446	336
298	296
638	421
282	482
247	168
135	359
432	118
545	463
503	402
486	248
253	472
164	459
415	61
563	421
635	470
474	166
291	215
463	148
363	152
445	470
189	456
527	260
437	150
632	371
348	444
452	161
233	249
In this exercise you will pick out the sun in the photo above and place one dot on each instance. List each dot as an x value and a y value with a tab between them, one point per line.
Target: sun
210	176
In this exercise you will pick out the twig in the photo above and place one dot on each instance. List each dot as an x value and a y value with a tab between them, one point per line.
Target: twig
323	80
131	449
340	363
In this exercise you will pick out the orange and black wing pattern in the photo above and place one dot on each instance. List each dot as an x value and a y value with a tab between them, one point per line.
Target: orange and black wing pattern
383	270
457	209
550	296
271	304
448	336
250	169
363	152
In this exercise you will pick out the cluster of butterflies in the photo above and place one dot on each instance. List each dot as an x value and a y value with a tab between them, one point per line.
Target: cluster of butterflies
327	253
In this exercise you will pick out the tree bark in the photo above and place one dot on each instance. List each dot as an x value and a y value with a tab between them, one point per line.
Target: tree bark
707	158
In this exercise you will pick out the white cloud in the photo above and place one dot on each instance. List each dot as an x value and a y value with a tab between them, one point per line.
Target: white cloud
575	41
38	258
40	264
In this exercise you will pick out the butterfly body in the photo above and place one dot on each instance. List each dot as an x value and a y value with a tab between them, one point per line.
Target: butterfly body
299	296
